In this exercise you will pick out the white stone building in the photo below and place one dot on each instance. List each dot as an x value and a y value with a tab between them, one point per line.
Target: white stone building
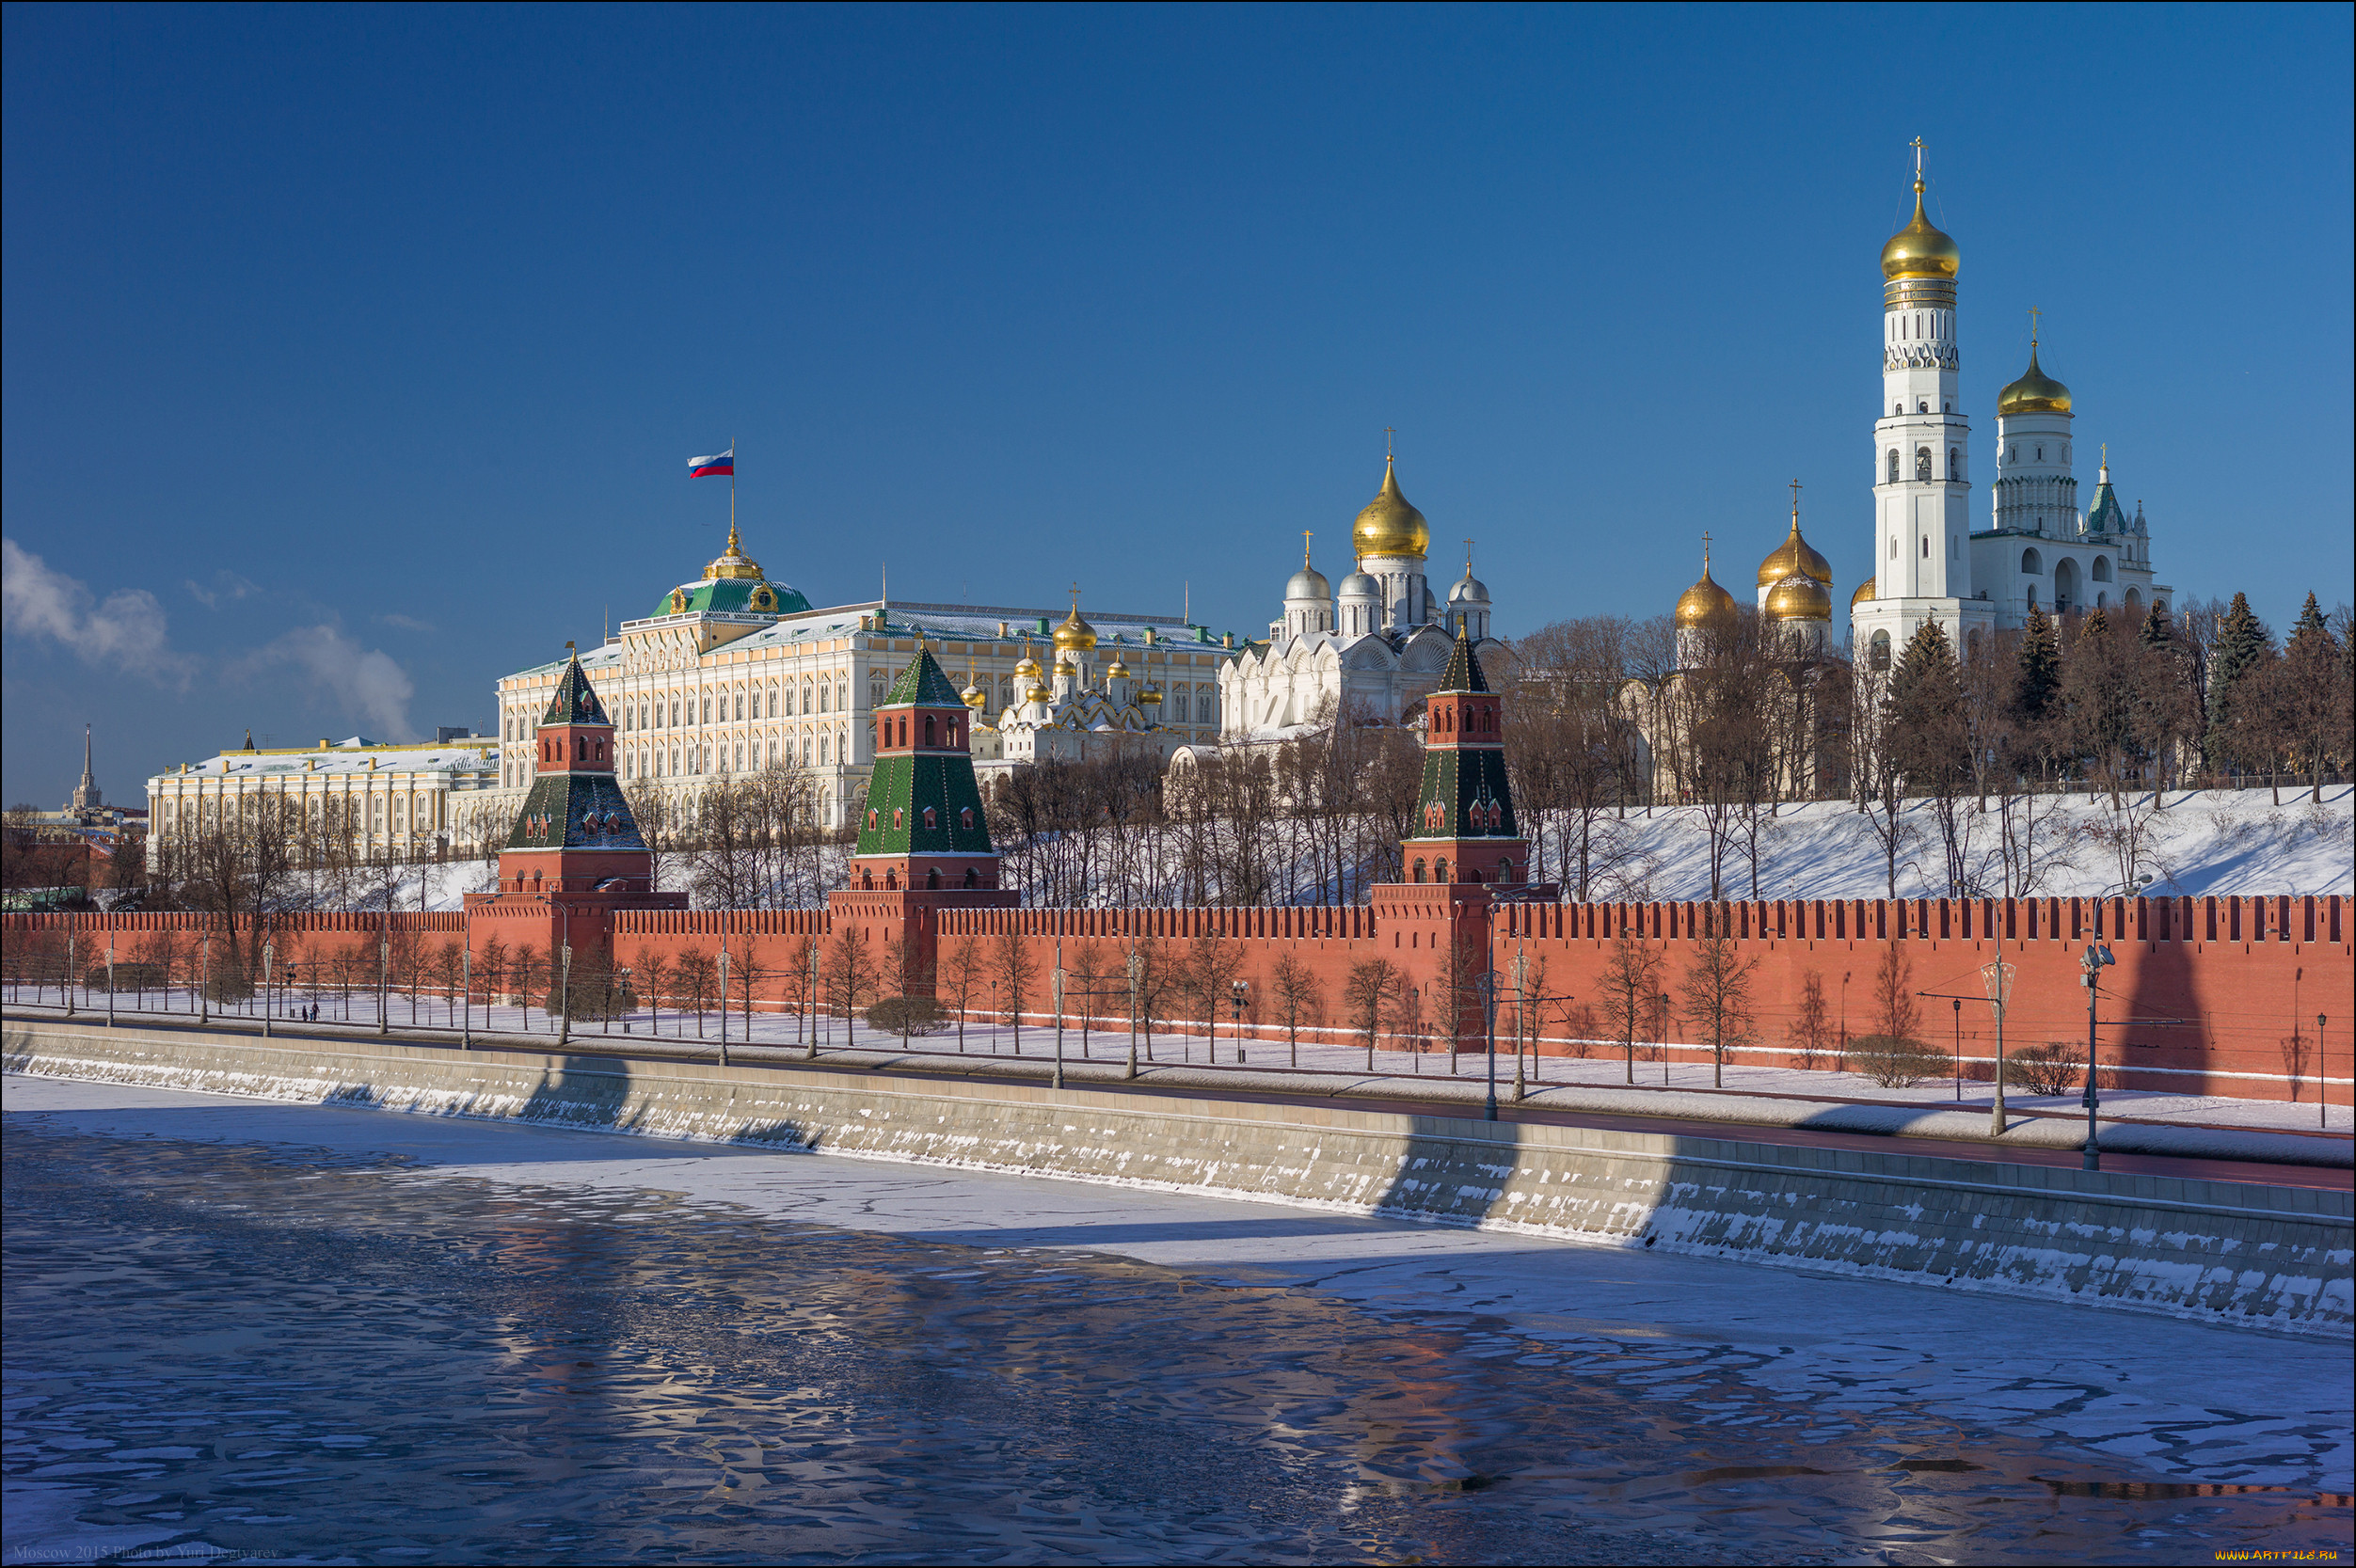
2039	548
1377	645
415	800
737	672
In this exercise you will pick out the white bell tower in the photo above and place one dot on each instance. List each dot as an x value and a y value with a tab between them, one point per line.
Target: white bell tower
1922	525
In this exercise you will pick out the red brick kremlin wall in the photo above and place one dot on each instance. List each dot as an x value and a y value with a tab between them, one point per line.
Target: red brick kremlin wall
2242	973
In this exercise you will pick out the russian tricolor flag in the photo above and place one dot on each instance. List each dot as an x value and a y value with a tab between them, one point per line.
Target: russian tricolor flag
718	463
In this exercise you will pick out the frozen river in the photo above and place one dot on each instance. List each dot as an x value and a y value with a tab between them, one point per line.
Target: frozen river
238	1330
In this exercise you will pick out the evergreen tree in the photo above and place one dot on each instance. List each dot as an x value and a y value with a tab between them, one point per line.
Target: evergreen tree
2310	622
2243	645
2037	674
1923	713
2158	632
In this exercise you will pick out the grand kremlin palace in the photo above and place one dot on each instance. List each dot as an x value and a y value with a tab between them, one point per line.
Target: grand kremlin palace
735	671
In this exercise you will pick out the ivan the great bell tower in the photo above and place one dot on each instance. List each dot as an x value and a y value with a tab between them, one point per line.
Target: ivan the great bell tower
1922	527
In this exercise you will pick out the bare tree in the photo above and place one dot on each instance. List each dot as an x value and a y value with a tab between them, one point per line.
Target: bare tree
1298	998
1717	992
1017	971
1631	978
1809	1034
964	973
1371	988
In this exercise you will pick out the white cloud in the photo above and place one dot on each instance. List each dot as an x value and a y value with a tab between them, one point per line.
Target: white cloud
127	629
366	681
226	585
407	623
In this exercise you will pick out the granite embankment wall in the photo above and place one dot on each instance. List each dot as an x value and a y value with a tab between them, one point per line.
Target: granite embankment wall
2228	1252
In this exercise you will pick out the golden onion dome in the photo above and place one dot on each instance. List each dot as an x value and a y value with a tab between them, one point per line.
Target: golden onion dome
1704	602
1865	591
1064	666
1028	670
1118	672
1074	635
1150	697
1920	250
2035	392
1389	525
974	697
1794	555
1799	597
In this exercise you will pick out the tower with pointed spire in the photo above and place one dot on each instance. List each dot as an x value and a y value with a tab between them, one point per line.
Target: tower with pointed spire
575	854
1922	564
85	793
924	842
1465	830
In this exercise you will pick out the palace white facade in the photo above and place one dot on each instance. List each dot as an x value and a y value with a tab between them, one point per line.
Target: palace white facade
2038	550
736	672
412	800
1379	644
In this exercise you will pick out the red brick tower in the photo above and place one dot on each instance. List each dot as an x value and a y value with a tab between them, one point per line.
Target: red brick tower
575	855
1464	822
924	846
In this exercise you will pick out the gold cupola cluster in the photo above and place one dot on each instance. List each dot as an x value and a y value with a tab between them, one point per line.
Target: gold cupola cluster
2035	392
1389	525
1798	579
1919	249
1074	635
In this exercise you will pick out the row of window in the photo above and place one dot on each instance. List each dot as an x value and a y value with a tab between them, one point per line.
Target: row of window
1923	464
932	820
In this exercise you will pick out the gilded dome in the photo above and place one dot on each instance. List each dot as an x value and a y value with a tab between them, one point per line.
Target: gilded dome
1704	602
1799	597
1919	251
1118	672
1865	591
974	697
1028	670
1389	525
1150	697
733	564
2035	392
1795	554
1074	635
1064	666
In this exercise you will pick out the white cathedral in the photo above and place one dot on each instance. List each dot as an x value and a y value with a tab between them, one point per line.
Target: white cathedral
2038	550
1375	646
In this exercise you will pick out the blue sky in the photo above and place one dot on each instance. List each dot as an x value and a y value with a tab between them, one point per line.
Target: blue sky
353	355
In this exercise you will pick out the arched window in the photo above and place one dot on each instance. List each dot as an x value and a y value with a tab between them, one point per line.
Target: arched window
965	818
932	820
1923	463
1896	409
899	818
2102	568
1893	464
2032	562
1926	547
1922	405
873	820
932	876
2032	595
1878	651
928	731
1440	869
1419	868
1954	463
866	878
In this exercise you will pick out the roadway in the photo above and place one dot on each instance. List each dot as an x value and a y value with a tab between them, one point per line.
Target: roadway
1268	1090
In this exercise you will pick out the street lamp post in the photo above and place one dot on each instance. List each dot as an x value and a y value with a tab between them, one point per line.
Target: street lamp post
1660	1014
1487	985
2095	959
565	979
2000	979
269	968
384	981
110	982
466	999
1135	967
1058	981
204	976
1959	1048
724	1000
69	974
1237	995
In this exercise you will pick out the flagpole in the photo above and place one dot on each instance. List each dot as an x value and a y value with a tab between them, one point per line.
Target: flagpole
731	488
